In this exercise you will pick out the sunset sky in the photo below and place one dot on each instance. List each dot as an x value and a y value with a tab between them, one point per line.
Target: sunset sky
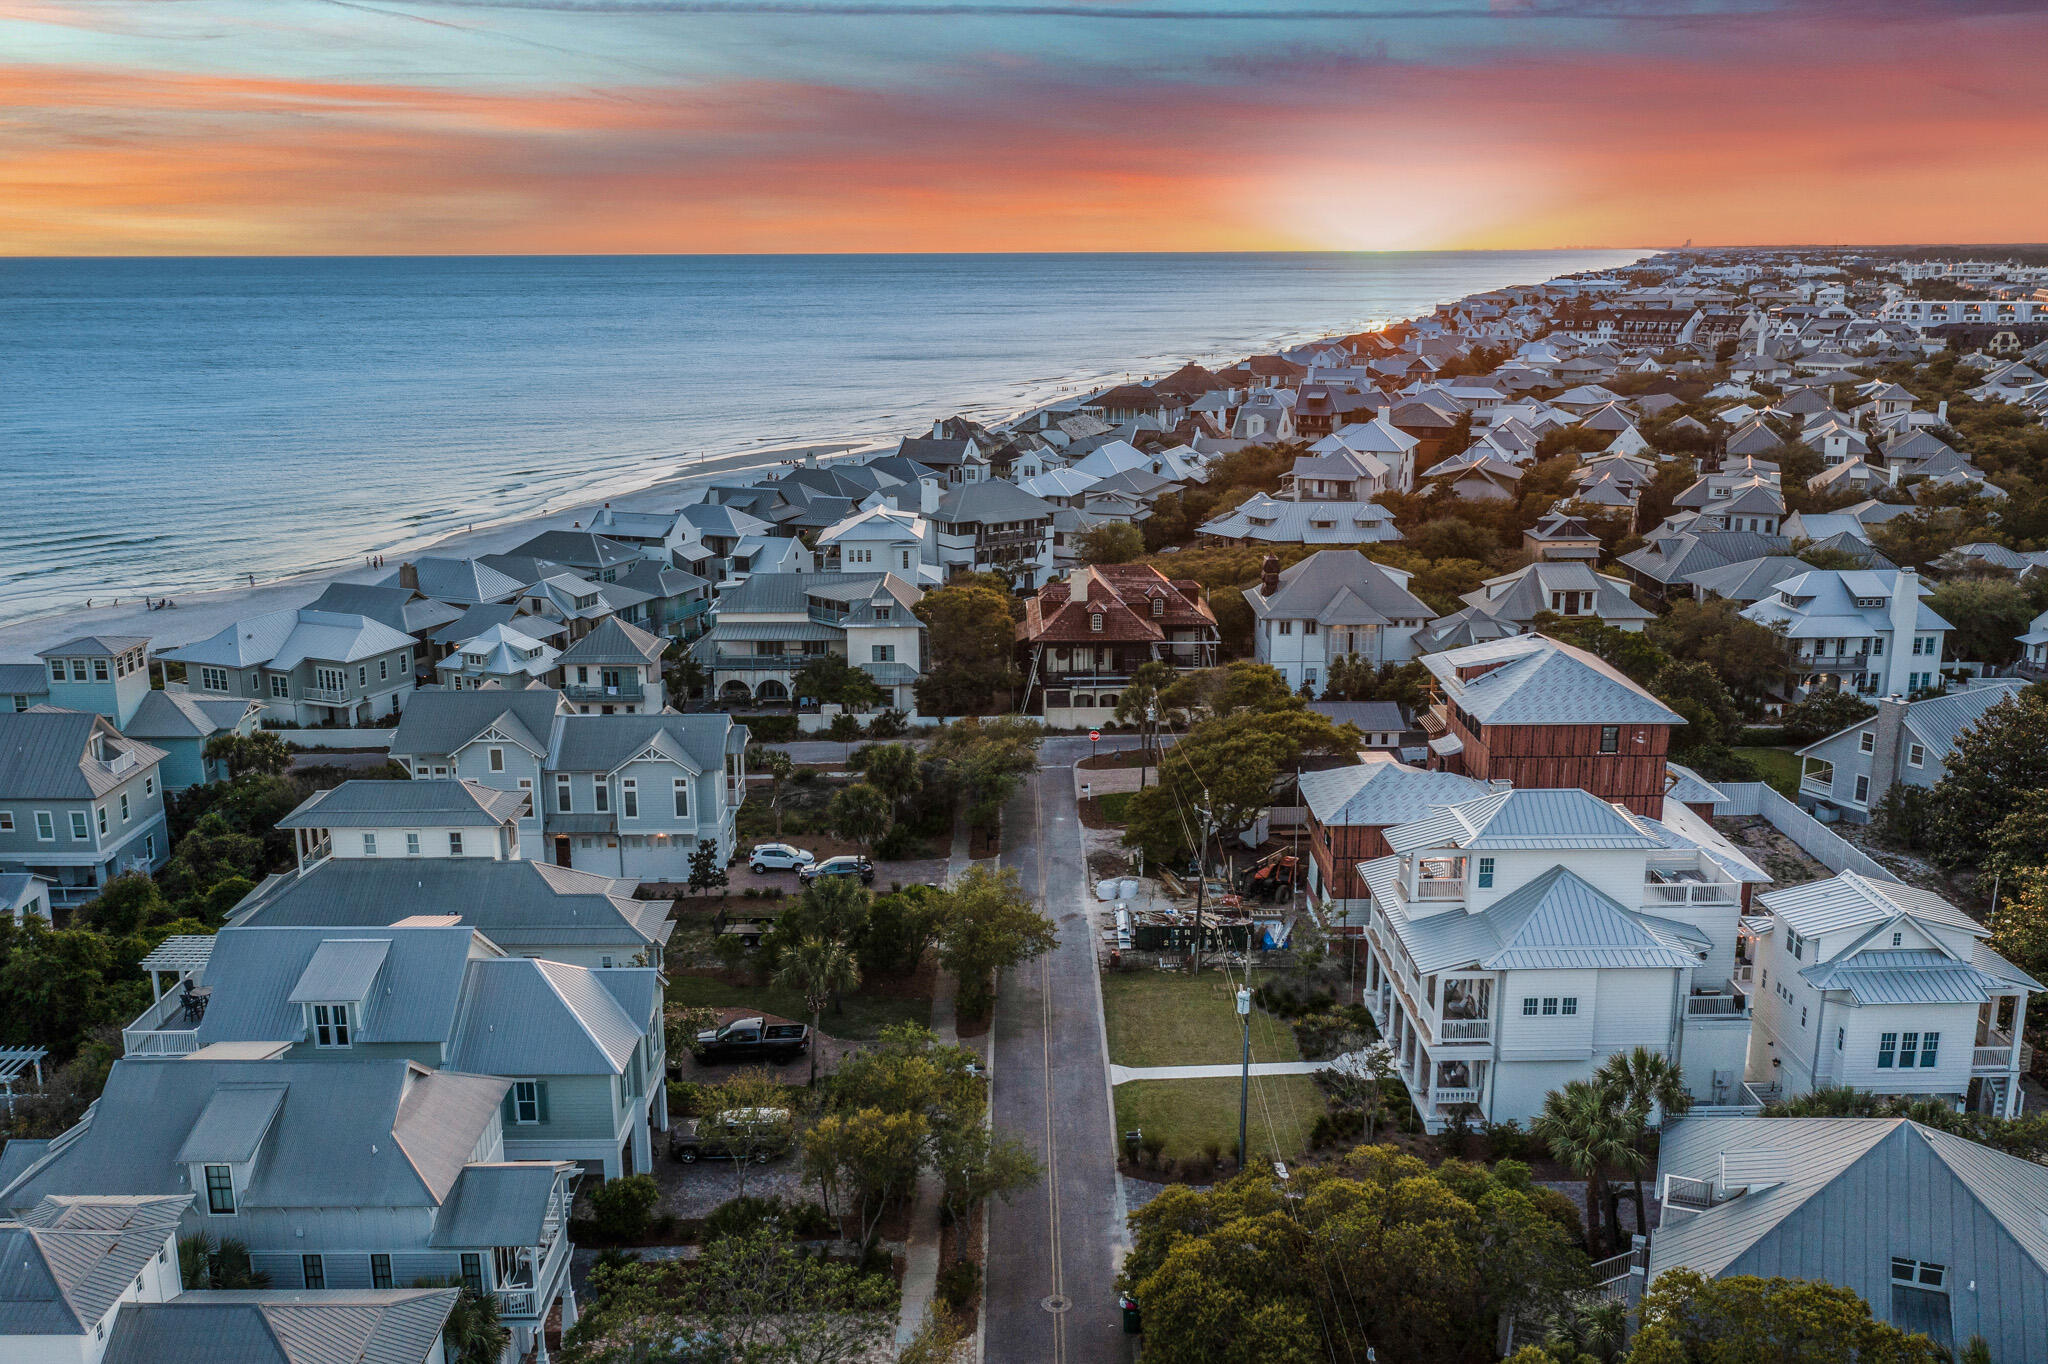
325	126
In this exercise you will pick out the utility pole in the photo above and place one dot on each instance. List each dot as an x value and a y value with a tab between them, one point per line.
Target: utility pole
1244	1086
1201	883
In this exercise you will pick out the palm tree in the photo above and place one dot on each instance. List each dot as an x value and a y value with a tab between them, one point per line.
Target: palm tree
777	767
1591	1329
1586	1132
1648	1088
818	968
474	1334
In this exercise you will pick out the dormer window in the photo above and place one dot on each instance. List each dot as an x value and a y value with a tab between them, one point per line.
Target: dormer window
331	1025
1158	606
1095	622
220	1190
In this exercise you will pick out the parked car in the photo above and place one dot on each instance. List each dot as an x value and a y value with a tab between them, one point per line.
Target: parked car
752	1039
839	866
778	857
756	1134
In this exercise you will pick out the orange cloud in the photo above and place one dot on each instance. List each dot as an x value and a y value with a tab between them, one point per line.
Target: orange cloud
1896	141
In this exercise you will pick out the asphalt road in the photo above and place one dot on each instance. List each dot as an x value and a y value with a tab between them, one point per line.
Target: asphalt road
1053	1251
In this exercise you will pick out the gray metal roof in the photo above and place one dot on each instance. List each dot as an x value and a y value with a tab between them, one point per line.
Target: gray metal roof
1852	899
284	639
232	1126
377	804
1535	680
501	1204
612	640
404	609
1309	589
437	722
521	906
261	975
94	646
24	679
1370	717
373	1133
285	1326
1788	1161
181	715
1382	794
45	755
462	582
61	1268
1904	975
342	969
604	743
990	501
524	1016
1522	820
1690	788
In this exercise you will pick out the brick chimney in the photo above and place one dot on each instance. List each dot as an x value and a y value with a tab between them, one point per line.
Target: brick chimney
1890	723
1269	576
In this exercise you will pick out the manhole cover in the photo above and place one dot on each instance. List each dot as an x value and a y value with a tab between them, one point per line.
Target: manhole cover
1056	1303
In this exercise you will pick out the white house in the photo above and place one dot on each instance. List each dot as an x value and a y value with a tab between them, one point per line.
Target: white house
772	626
882	539
1882	986
1867	627
1334	604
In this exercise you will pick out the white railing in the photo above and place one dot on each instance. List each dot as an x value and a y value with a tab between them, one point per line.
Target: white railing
517	1302
152	1034
1468	1094
1685	1192
1817	786
1994	1058
1440	888
1716	1006
1762	1095
1465	1029
1690	892
324	695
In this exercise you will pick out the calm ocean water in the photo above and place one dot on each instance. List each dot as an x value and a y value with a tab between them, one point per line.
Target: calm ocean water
176	425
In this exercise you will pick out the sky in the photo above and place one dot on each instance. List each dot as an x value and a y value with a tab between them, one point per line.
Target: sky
188	127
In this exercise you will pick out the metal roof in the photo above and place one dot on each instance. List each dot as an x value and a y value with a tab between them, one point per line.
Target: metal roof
1307	590
181	715
231	1128
376	804
500	1204
341	969
1523	820
283	639
437	722
60	1274
261	976
350	1134
1853	899
95	646
612	640
1904	976
461	582
605	743
524	1016
45	754
284	1326
1535	680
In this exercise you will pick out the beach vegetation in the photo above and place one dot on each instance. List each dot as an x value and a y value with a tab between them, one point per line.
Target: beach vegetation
972	637
1112	542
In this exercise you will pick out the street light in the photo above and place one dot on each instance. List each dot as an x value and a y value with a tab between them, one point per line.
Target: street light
1244	1088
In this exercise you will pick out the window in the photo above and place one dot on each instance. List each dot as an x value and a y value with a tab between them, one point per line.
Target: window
383	670
473	1271
1862	790
1866	742
78	826
46	828
314	1270
1898	939
100	813
369	845
1095	621
363	676
1568	1006
1529	1007
412	845
1550	1006
1486	873
1308	627
1841	1036
220	1189
99	670
380	1271
1909	1048
882	653
1919	1273
6	822
1887	1050
330	679
629	798
525	1101
455	843
124	807
149	786
562	801
213	679
497	760
600	794
1286	627
1610	738
1802	1015
1930	1043
1916	756
280	685
682	790
330	1025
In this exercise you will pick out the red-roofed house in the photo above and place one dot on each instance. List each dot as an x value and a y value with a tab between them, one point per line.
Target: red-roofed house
1081	639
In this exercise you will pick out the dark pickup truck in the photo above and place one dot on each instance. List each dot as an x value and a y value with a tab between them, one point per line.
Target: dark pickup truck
752	1039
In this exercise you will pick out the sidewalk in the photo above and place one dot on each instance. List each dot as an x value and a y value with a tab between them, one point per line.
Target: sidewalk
1123	1075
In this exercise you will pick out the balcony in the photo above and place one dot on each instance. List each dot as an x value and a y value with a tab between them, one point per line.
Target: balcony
325	696
1440	888
1729	1005
760	663
1674	894
583	691
1995	1052
166	1028
1468	1094
1465	1030
1823	787
1832	663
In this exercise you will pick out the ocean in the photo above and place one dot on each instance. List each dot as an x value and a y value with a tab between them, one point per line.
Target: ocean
175	425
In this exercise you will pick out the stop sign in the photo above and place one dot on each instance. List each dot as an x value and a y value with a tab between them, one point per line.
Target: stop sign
1093	735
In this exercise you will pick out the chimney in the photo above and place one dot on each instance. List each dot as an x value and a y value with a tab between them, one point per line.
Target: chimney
1904	618
1269	576
938	427
1941	412
409	575
1884	754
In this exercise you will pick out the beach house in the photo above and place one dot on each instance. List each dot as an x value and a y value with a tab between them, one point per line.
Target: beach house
1509	605
80	803
1082	638
769	628
882	539
359	1174
1864	630
306	667
1266	520
1882	986
995	527
111	677
1905	742
1334	604
1517	940
615	669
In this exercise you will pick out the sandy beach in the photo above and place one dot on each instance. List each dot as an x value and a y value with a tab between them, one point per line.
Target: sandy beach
201	614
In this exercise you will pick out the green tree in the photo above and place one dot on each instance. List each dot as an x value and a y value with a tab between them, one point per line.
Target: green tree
777	766
1631	651
56	984
1749	658
892	769
1138	705
2005	752
972	647
1689	1319
899	928
989	924
830	680
211	852
820	970
1695	692
707	871
844	730
1824	713
1988	615
623	1208
771	1120
1234	621
473	1333
1648	1089
1112	542
1587	1134
860	814
863	1160
764	1299
125	905
976	1165
262	752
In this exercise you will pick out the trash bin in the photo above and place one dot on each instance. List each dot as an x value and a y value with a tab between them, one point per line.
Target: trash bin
1133	1320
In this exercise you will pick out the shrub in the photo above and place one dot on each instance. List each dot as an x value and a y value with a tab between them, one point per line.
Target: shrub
958	1283
624	1207
685	1099
1152	1144
1506	1141
889	724
771	729
898	844
747	1214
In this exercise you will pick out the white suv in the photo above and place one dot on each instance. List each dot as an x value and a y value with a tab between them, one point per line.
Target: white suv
778	857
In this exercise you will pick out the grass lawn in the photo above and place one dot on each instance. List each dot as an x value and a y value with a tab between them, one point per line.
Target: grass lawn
1165	1018
1780	767
1192	1113
1116	806
864	1019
